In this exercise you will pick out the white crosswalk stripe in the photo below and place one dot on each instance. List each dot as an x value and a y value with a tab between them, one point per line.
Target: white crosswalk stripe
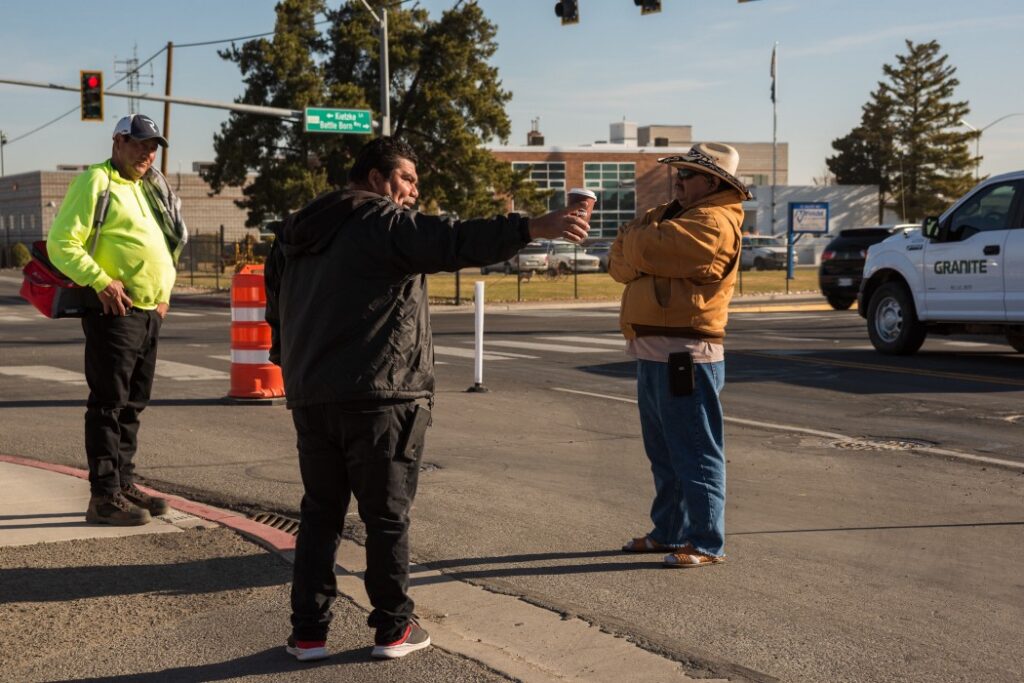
44	372
16	319
617	343
186	372
469	353
184	314
537	346
164	368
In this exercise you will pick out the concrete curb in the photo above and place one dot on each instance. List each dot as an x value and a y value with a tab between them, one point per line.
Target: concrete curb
267	536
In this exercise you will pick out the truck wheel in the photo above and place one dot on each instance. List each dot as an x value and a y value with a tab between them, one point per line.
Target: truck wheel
759	263
839	303
507	268
892	321
1016	340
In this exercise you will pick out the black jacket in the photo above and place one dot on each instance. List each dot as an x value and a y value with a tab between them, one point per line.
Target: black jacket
347	293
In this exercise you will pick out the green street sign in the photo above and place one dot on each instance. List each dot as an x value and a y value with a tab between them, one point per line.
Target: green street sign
323	120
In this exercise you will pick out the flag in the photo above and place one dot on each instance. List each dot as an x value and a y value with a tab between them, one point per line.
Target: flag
773	74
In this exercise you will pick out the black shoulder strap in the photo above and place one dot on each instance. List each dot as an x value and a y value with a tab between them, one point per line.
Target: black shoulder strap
100	215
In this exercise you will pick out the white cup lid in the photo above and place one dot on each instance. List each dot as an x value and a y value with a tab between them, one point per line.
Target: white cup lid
583	192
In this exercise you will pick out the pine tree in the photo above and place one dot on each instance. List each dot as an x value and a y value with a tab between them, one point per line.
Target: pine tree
907	141
446	101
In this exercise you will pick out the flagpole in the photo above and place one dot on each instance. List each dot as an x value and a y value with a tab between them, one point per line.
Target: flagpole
775	128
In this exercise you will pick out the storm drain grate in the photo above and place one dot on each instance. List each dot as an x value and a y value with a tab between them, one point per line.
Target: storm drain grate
880	444
280	522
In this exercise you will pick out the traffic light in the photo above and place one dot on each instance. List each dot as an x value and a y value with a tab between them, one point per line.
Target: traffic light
92	95
648	6
568	10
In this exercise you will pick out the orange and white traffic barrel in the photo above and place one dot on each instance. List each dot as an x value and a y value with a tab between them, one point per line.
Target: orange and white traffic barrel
253	376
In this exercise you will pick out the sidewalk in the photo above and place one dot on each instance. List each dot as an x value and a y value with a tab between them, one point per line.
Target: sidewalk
190	597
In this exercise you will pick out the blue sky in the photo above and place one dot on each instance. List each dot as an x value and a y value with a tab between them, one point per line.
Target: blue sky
699	62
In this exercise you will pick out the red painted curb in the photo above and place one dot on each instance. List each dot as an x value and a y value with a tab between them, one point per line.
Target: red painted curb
266	535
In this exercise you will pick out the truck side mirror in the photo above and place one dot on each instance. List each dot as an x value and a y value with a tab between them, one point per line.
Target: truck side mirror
930	228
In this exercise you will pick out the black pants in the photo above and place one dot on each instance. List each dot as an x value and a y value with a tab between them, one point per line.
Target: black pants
120	361
345	450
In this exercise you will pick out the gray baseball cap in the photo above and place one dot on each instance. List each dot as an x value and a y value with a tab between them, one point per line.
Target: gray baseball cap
139	127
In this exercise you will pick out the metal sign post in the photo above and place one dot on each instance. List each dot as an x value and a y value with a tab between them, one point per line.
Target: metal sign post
805	218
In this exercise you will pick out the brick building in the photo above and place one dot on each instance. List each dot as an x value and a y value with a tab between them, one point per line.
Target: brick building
624	171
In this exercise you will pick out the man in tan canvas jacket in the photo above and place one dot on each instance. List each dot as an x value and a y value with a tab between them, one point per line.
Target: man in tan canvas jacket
679	263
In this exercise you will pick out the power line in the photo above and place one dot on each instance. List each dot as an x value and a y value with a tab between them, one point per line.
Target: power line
73	110
150	59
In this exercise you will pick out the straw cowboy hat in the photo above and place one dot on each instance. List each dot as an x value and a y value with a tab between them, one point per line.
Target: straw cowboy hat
714	158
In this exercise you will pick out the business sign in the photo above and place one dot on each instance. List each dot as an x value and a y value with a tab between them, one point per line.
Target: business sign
322	120
808	217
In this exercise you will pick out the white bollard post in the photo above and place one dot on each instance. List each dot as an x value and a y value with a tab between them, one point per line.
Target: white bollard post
478	339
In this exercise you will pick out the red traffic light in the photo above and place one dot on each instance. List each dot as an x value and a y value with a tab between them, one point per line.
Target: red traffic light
92	95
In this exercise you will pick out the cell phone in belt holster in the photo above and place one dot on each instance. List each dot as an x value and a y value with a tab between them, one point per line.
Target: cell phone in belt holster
680	373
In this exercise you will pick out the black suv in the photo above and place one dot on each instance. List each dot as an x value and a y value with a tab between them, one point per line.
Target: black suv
842	262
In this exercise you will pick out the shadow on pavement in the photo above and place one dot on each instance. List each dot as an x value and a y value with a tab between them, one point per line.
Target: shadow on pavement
636	562
61	584
269	661
80	402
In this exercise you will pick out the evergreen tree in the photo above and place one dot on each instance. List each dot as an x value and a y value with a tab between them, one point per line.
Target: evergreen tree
866	153
907	141
446	101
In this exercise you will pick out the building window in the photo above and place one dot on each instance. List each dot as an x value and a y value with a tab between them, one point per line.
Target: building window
615	185
546	176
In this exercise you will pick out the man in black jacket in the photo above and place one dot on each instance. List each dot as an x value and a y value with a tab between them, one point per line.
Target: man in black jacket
347	301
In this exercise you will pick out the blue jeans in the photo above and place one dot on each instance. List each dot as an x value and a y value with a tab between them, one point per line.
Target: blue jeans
684	440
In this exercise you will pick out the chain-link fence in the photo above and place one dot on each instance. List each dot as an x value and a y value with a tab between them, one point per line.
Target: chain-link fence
209	260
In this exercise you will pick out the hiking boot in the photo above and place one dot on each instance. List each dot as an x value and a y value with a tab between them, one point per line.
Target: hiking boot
156	506
413	638
115	509
688	557
307	650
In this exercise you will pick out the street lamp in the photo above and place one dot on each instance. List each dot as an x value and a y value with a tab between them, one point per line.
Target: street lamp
385	76
977	140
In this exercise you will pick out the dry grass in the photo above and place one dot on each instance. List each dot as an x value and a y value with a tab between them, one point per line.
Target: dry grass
586	287
593	286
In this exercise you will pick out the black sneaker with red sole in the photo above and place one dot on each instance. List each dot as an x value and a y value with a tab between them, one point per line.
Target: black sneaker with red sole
413	638
307	650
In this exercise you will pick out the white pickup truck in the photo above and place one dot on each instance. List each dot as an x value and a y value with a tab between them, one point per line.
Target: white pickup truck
961	273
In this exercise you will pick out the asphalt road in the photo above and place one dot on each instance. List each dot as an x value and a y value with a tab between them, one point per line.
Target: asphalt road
875	508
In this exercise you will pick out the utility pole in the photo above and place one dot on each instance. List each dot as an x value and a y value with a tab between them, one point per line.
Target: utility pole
385	74
3	143
167	108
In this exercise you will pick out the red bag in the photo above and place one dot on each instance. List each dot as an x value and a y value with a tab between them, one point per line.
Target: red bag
51	292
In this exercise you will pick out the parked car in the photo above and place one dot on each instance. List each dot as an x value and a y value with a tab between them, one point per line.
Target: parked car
533	258
764	252
566	257
600	250
842	262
